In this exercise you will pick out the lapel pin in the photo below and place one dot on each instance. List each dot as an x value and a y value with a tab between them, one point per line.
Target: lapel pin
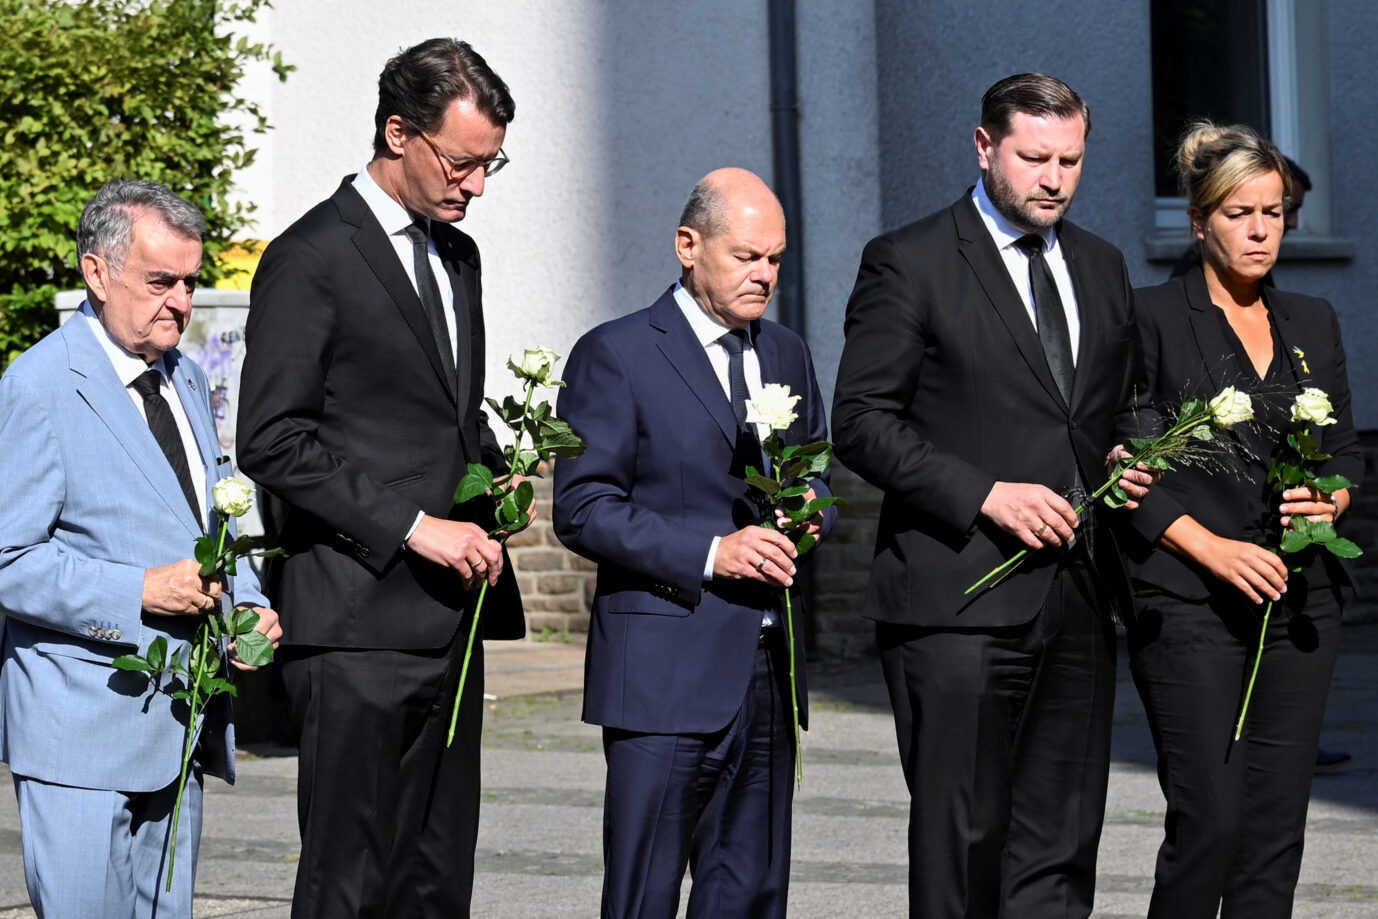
1301	356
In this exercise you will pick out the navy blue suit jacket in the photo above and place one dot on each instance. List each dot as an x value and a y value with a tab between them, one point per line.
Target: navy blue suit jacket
663	474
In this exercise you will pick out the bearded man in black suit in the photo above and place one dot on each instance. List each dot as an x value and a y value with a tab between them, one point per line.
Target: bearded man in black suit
990	363
360	408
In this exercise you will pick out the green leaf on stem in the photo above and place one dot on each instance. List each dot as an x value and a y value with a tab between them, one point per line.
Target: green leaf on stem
805	543
1295	540
1333	483
1115	497
242	620
1202	432
765	484
157	653
215	685
204	553
229	565
133	662
254	648
1344	548
478	480
795	491
525	495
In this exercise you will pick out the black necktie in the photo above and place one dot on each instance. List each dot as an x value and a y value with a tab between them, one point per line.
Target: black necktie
429	292
1048	313
164	428
734	343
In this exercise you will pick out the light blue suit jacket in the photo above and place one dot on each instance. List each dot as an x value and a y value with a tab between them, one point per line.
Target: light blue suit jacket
87	503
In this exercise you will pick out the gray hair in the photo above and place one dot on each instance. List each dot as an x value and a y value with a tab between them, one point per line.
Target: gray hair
706	209
107	222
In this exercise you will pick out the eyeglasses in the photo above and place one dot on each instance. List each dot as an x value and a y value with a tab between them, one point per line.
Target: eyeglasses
461	168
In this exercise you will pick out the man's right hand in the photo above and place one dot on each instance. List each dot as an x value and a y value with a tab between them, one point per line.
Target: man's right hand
1035	514
179	590
757	554
465	547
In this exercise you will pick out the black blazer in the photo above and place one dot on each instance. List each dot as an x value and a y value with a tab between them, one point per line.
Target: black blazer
349	418
1185	353
943	390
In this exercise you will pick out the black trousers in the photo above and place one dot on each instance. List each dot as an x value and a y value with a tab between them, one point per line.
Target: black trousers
1236	812
388	814
1005	739
718	803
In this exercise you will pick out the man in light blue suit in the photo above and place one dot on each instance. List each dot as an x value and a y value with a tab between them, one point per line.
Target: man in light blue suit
96	525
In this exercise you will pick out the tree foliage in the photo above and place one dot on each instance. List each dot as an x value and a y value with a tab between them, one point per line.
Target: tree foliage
94	90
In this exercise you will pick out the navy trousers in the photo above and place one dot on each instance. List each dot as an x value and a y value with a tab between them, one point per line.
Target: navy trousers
717	803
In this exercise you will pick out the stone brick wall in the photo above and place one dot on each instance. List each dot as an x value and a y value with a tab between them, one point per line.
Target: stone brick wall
557	586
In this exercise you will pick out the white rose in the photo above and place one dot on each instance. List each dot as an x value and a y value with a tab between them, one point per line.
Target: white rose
535	364
774	407
1231	407
1313	405
232	496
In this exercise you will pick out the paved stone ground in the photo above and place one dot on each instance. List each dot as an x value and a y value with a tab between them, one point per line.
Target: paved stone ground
539	849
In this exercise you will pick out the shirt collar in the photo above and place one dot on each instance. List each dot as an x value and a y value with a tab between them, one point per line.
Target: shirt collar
1001	230
392	216
706	329
128	367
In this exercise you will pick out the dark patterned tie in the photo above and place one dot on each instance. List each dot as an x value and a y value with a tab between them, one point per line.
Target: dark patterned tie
734	343
164	428
1048	313
429	291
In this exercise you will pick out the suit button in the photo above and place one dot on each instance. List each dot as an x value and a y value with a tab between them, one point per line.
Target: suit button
363	551
1072	425
114	634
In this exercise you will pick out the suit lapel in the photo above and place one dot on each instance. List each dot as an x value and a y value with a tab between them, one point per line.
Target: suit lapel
378	253
207	438
682	349
100	388
1087	288
1204	316
980	253
1296	341
464	283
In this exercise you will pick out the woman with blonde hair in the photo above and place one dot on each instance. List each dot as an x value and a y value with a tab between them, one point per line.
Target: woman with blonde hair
1201	553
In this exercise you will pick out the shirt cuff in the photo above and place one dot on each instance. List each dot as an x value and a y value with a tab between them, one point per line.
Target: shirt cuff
411	532
712	558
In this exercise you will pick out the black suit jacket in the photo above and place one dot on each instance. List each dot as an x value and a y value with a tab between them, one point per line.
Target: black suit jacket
1185	353
348	417
943	389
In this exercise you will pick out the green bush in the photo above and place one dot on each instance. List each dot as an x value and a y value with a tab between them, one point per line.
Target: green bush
94	90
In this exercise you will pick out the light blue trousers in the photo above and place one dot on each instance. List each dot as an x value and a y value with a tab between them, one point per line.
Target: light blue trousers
90	853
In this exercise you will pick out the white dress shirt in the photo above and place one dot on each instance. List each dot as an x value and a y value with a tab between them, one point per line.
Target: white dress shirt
394	220
129	367
708	331
1005	235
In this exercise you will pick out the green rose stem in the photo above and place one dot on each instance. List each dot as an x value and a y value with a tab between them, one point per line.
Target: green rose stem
498	495
231	498
793	679
1293	465
1185	424
1253	675
197	703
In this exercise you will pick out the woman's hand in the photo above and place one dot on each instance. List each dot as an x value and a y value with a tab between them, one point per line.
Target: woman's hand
1258	573
1313	504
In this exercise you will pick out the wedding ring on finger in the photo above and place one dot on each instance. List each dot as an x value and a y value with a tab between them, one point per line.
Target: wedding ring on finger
761	565
1041	531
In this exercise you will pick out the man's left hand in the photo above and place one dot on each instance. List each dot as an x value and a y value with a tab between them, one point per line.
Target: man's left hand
268	625
813	526
1137	481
